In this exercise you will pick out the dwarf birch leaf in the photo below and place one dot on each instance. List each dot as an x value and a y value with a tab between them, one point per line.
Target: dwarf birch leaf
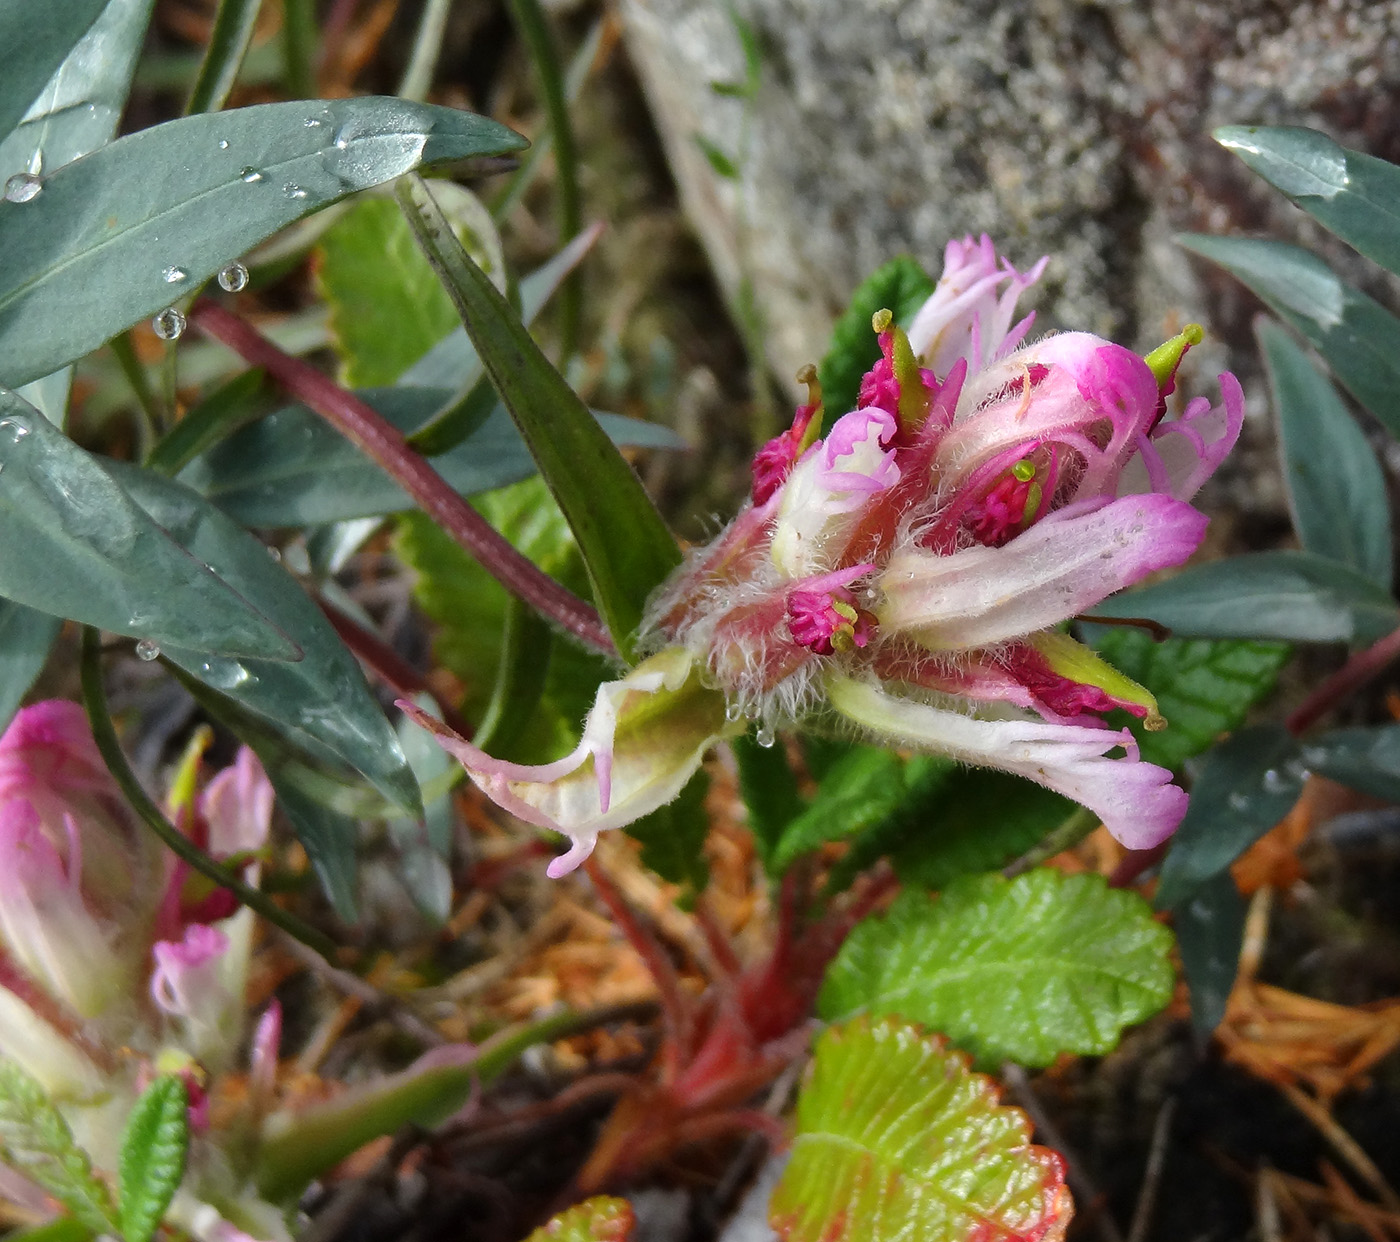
1017	970
1294	596
900	286
1355	196
624	543
1355	335
896	1139
599	1219
861	791
36	1141
152	1162
26	637
1247	784
1204	687
1336	490
119	235
78	546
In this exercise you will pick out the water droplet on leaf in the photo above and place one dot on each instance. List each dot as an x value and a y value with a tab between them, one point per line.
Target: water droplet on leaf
292	190
168	324
174	275
250	175
223	144
1275	781
15	428
765	736
22	187
147	650
732	712
233	277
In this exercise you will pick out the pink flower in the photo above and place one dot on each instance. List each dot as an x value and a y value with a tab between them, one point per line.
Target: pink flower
911	571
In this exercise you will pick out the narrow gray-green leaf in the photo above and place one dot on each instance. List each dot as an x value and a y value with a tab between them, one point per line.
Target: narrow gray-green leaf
1336	490
1247	784
1288	595
117	236
1361	758
32	46
624	542
1355	335
152	1161
79	108
76	545
1356	196
26	638
322	701
1209	932
293	469
228	44
1017	970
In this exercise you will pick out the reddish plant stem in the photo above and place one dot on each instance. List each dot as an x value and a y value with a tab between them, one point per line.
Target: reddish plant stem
717	940
390	667
1354	674
1134	863
383	444
675	1008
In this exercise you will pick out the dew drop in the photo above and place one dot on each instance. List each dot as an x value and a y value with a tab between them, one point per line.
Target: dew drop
223	144
1275	781
147	650
250	175
1238	802
22	187
174	275
15	428
312	122
732	712
292	190
765	737
233	277
169	324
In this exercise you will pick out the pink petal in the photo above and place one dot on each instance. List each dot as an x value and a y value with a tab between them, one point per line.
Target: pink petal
185	982
1136	801
1179	456
1058	568
237	806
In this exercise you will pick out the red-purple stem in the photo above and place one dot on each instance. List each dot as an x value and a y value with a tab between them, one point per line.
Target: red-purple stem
383	444
1354	674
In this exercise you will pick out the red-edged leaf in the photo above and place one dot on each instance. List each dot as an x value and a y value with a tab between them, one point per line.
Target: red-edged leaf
897	1138
599	1219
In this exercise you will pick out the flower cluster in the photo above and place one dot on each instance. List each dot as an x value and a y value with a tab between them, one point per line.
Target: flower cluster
116	962
912	571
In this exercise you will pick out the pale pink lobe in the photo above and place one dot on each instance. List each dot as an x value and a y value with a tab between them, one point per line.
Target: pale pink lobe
965	316
1136	801
267	1042
643	740
237	807
1179	456
186	980
1061	566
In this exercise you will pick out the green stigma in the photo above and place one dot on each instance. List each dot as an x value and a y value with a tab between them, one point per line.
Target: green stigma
1023	470
1165	359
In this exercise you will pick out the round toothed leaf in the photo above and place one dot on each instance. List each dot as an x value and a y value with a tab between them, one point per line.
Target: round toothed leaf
599	1219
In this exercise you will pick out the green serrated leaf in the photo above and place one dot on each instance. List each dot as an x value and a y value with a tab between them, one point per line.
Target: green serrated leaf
118	236
624	543
1204	687
322	701
599	1219
861	791
1336	491
387	306
1246	785
77	545
900	286
1355	335
26	637
1018	970
1356	196
36	1141
1293	596
154	1145
896	1139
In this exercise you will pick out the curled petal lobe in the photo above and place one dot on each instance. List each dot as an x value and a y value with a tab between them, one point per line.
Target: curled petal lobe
1179	456
1057	569
186	981
643	740
237	806
1136	801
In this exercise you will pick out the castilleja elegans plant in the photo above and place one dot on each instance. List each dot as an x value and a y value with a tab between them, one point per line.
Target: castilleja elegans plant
908	576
